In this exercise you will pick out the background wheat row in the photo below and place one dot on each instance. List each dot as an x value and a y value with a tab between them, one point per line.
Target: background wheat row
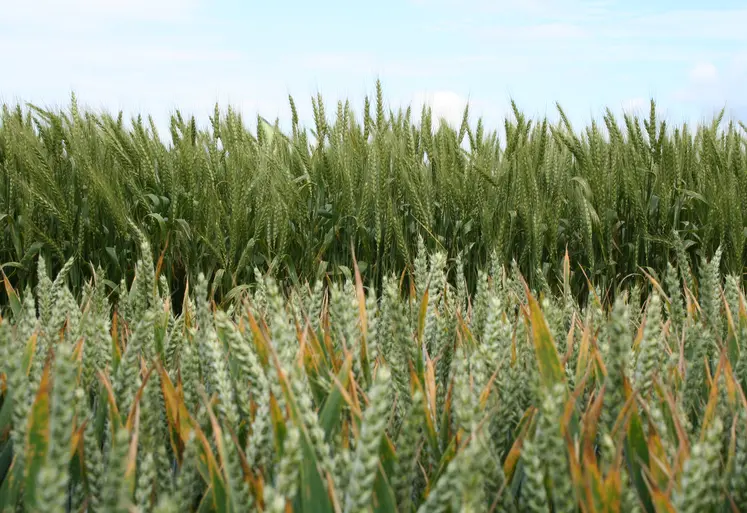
619	196
428	399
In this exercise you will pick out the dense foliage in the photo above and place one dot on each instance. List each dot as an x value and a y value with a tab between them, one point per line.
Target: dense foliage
226	199
327	399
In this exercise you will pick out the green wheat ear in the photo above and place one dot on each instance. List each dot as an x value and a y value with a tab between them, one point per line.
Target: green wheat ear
366	459
700	489
651	351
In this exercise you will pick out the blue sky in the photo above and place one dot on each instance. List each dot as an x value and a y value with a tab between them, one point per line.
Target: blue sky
153	56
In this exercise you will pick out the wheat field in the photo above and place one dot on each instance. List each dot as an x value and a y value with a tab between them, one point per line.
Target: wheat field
377	314
223	199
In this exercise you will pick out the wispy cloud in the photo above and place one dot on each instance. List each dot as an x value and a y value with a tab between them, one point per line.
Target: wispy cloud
710	87
82	12
672	34
370	64
536	33
676	25
546	8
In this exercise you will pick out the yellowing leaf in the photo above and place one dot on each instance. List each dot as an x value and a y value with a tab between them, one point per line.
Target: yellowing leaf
15	303
37	435
548	360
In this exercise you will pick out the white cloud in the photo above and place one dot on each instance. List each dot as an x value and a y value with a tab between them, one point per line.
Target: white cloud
709	88
704	73
448	105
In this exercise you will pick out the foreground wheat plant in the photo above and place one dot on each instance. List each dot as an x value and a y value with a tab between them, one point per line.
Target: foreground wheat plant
324	398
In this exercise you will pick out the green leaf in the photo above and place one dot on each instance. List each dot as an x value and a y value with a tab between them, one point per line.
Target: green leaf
161	221
313	492
31	252
637	456
385	500
219	494
155	201
6	411
329	417
6	460
11	484
112	252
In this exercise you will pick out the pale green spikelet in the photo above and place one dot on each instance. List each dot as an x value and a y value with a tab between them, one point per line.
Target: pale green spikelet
154	476
443	353
550	441
737	480
372	323
258	445
249	369
683	262
115	495
699	346
189	369
732	294
286	483
710	290
461	285
651	352
175	341
397	351
465	390
300	384
94	463
97	337
219	379
166	504
147	477
534	497
240	496
615	358
128	379
366	458
444	496
482	298
260	293
435	293
700	486
422	273
52	488
344	318
188	482
408	442
29	322
674	289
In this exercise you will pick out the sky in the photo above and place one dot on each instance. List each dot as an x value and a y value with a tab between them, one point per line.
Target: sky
155	56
